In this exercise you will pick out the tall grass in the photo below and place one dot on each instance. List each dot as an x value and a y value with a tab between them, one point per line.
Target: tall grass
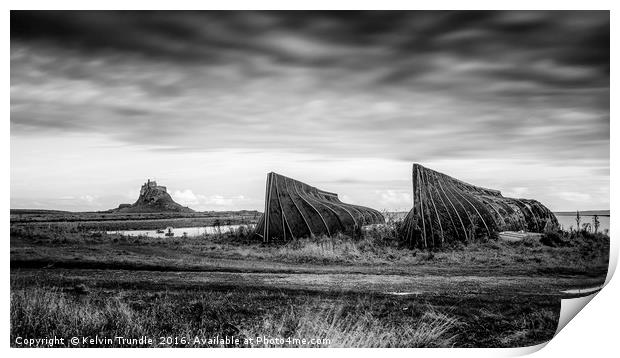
332	327
320	249
44	312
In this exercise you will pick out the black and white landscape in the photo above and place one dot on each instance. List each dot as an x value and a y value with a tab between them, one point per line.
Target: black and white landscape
305	178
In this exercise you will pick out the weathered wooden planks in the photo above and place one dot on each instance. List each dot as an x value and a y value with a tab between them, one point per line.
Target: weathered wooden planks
446	209
294	209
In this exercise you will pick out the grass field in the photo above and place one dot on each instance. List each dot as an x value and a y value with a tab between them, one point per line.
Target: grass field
65	309
71	281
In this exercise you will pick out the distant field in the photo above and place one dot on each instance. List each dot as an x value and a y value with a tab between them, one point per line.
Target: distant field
27	215
130	221
37	211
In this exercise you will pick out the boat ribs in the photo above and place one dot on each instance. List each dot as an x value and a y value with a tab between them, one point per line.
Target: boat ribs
446	209
294	209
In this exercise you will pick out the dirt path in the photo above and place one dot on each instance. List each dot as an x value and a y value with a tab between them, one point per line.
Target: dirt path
322	282
145	262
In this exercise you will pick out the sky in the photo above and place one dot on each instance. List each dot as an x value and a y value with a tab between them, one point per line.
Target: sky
207	103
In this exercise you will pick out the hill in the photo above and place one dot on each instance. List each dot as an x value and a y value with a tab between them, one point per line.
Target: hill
153	198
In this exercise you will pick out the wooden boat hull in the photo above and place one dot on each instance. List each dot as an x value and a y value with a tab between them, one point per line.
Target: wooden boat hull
446	209
294	209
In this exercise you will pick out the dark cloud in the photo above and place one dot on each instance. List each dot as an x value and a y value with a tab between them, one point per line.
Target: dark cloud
580	38
398	85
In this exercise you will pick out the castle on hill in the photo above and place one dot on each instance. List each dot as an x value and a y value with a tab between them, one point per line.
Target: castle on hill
151	185
153	198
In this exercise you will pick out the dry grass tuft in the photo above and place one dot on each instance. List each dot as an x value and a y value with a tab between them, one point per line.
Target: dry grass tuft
42	313
335	327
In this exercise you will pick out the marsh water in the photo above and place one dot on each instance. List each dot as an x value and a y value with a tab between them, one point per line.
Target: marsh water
565	221
178	231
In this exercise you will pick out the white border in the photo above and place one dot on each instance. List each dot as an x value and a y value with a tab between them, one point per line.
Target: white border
593	332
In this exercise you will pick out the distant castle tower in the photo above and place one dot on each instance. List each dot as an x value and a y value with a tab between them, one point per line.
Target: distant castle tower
151	185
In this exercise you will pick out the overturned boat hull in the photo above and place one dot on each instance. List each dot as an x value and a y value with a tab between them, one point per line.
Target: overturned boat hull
446	210
294	209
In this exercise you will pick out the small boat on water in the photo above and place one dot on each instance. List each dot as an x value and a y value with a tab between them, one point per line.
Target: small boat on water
160	231
169	231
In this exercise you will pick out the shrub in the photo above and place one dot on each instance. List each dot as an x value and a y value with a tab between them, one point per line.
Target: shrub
552	238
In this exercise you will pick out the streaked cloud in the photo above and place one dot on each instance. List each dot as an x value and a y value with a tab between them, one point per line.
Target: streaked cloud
518	87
